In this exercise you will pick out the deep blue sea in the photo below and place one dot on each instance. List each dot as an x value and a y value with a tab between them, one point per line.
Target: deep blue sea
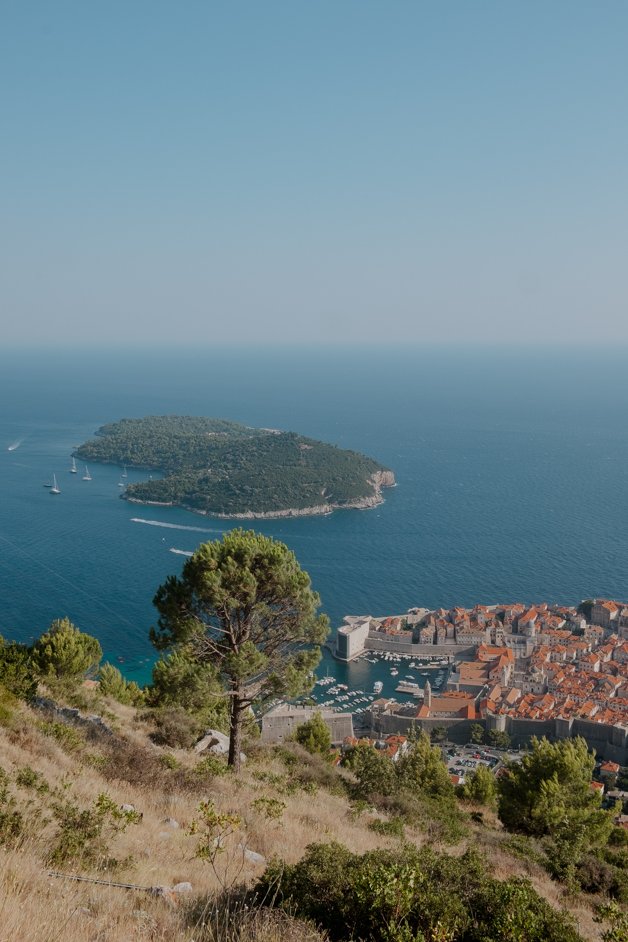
512	470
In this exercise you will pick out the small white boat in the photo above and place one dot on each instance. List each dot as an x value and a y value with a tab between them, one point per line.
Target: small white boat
124	474
87	476
378	686
73	469
55	488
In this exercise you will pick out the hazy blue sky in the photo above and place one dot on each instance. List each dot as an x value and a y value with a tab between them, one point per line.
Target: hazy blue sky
297	171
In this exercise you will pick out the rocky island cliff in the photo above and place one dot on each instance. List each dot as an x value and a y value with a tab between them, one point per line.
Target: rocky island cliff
223	469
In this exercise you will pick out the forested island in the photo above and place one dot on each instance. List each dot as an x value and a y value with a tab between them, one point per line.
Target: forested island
225	469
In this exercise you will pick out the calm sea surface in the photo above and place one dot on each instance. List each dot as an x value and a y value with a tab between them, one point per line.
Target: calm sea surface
512	470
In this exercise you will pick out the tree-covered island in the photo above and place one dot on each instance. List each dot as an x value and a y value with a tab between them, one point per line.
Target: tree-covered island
221	468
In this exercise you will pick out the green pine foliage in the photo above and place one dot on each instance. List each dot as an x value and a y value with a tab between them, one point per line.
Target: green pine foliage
549	791
548	796
113	684
65	653
480	787
244	606
17	674
314	735
182	682
220	467
416	788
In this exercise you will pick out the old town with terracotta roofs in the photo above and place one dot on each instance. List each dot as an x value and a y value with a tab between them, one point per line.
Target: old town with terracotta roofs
523	671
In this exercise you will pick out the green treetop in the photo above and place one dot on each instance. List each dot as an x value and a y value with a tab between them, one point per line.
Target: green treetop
481	787
422	769
65	653
16	669
244	604
550	783
314	735
548	794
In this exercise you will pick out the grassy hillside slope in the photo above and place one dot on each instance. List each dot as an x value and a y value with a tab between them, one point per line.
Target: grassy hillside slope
53	817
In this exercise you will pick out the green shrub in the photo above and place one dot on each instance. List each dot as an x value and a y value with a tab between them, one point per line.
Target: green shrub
68	737
270	808
391	827
29	778
169	761
481	787
618	837
174	727
374	772
182	682
598	876
64	653
8	704
411	894
113	684
84	834
11	827
314	735
211	766
17	672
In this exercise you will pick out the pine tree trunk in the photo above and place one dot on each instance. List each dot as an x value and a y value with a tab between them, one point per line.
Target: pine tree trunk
235	732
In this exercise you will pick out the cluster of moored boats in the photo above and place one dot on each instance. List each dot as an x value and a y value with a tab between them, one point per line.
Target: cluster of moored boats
54	486
339	697
437	662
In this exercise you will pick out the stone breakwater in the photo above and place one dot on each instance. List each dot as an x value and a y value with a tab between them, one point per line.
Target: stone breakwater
378	481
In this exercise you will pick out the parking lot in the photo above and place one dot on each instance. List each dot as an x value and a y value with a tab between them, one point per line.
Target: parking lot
463	760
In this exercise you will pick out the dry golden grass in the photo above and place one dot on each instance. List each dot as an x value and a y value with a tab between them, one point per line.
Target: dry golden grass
37	907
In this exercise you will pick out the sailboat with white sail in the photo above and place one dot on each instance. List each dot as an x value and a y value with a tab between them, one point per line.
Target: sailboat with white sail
55	487
87	476
73	469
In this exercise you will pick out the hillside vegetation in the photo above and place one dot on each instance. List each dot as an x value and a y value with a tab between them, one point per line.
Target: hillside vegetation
126	813
219	467
116	807
290	849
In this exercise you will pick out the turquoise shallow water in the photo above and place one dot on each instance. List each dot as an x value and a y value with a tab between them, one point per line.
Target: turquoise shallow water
512	469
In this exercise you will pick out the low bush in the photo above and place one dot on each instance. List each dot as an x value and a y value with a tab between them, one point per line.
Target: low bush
17	674
391	827
69	738
307	769
169	761
11	826
599	876
314	735
84	834
231	919
113	684
210	766
411	895
66	654
174	727
29	778
8	704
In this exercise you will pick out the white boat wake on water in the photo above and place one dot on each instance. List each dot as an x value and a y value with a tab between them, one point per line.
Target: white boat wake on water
179	552
174	526
15	445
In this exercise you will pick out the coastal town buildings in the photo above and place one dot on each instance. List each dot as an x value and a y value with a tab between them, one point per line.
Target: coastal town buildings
544	670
